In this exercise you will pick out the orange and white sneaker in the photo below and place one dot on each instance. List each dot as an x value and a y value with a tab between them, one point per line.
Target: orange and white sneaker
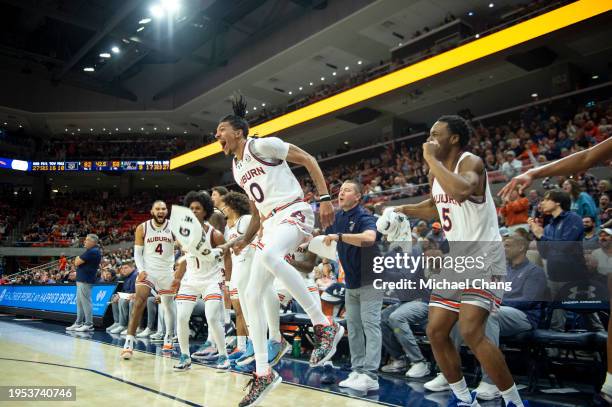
167	347
126	353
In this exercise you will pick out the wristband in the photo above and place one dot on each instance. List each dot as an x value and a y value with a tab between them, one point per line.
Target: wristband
339	237
325	198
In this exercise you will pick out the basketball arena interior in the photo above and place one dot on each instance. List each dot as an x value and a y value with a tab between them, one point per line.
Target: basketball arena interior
137	137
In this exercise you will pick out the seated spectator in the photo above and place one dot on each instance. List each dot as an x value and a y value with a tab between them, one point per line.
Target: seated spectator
436	235
511	166
122	303
601	258
605	210
515	211
324	276
591	237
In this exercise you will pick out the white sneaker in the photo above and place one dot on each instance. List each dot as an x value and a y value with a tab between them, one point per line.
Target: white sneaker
439	383
486	391
113	326
139	330
84	328
157	336
73	327
117	329
419	369
347	382
124	332
145	333
364	383
394	366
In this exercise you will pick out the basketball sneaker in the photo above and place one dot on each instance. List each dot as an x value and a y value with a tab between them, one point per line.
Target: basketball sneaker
455	402
84	328
73	327
223	363
259	386
487	391
167	347
276	350
249	368
204	349
126	353
349	380
184	363
144	334
248	356
417	370
110	328
235	355
394	366
157	336
326	338
439	383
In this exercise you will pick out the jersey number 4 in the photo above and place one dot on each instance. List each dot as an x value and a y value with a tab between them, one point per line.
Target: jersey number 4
447	224
159	249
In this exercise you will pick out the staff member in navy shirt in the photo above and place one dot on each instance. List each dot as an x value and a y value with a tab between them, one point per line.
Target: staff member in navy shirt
87	268
353	229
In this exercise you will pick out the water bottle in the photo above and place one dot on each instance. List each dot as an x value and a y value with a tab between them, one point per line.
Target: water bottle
296	350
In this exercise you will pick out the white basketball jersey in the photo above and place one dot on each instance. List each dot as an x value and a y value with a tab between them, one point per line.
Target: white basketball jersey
204	268
268	182
470	220
238	230
158	248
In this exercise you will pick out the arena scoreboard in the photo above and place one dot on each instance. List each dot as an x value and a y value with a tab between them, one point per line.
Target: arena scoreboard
112	165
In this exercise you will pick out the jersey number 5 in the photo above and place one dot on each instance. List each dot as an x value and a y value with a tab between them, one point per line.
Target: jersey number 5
159	249
446	220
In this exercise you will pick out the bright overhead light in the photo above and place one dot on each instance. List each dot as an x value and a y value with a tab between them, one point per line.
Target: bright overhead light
470	13
310	83
129	129
359	62
592	77
145	21
254	107
142	128
55	191
333	73
155	128
167	128
157	11
89	69
346	142
477	36
64	129
20	126
139	29
263	105
105	55
104	129
346	68
301	88
322	78
171	6
90	129
534	95
116	129
115	49
247	112
491	5
77	129
5	123
399	45
185	132
291	93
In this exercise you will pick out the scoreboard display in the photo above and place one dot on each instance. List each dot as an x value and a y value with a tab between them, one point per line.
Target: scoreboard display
113	165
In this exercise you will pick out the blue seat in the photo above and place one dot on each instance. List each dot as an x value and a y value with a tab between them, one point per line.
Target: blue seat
575	340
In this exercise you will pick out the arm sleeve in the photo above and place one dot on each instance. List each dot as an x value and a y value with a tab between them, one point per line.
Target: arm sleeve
270	148
139	258
86	255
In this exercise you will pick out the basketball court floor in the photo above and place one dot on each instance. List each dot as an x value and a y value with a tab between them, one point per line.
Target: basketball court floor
37	353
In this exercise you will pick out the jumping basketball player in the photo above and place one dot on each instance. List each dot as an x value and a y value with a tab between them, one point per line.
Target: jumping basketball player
238	211
154	258
461	198
260	168
201	274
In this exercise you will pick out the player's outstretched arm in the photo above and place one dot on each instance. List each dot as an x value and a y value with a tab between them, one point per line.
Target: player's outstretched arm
298	156
580	161
139	248
422	210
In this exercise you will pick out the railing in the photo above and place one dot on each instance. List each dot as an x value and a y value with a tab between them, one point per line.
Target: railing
41	268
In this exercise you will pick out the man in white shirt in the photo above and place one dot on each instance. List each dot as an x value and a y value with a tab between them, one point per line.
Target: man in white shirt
511	167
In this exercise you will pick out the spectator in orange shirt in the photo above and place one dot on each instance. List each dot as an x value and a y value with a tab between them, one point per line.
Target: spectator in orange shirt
515	211
62	262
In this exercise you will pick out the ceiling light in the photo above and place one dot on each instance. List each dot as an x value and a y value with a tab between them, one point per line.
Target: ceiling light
254	107
322	78
171	5
359	62
145	21
157	11
399	45
155	128
470	13
142	128
89	69
185	132
247	112
333	73
104	129
115	49
105	55
167	128
263	105
90	129
20	126
139	29
346	142
310	83
129	129
592	77
5	123
346	68
534	95
477	36
55	191
64	129
77	129
291	93
116	129
491	5
301	88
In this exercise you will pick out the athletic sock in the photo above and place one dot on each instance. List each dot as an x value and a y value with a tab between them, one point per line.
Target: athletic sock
242	343
129	342
607	386
461	390
262	367
512	395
